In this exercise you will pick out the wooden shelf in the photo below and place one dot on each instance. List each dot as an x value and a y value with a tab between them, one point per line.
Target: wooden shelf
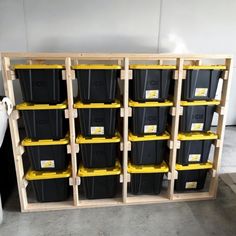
68	59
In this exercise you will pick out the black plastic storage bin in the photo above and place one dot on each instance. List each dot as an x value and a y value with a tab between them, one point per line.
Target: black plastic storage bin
97	83
47	155
149	149
197	115
99	152
41	83
149	117
50	186
97	119
147	179
195	147
201	82
191	177
100	183
150	82
44	121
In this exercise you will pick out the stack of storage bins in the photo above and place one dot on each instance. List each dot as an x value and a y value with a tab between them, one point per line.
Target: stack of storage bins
97	132
199	104
149	91
44	95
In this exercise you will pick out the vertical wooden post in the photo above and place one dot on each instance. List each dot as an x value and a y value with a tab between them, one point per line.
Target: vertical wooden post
175	125
15	137
125	127
71	113
221	125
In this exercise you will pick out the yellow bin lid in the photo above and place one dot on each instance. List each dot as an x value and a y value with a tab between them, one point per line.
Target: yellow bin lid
205	67
80	105
44	142
43	175
150	104
38	66
198	166
197	136
91	172
81	140
200	103
134	138
96	67
142	169
25	106
152	66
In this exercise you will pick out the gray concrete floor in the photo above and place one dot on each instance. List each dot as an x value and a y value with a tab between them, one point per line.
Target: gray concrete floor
189	218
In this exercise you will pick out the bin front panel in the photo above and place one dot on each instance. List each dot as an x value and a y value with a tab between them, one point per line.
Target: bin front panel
42	85
98	122
148	152
191	180
51	190
150	120
150	85
100	186
146	183
48	158
196	118
200	84
100	155
45	124
97	85
194	151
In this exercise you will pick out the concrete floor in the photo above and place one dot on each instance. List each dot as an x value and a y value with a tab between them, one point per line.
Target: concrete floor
189	218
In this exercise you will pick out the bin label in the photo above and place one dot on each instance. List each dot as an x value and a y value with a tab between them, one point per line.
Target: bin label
150	94
150	129
47	164
197	126
194	157
201	92
191	185
97	130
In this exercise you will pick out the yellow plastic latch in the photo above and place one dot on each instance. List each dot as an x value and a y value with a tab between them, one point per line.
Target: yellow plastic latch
80	105
81	140
96	67
152	66
90	172
29	106
205	67
43	175
38	66
198	166
150	104
134	138
142	169
45	142
200	103
197	136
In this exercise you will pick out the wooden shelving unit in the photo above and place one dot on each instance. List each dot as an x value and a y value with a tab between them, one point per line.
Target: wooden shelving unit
69	59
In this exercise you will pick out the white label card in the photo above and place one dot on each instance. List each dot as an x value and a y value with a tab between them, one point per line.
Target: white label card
191	185
201	92
47	164
150	129
194	157
197	126
150	94
97	130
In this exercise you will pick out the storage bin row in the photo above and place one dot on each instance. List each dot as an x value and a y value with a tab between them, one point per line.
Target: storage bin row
98	83
103	183
102	152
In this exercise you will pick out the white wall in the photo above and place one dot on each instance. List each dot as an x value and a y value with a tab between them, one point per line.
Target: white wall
203	26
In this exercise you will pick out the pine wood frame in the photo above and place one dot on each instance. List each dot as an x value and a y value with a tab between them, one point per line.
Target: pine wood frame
123	59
